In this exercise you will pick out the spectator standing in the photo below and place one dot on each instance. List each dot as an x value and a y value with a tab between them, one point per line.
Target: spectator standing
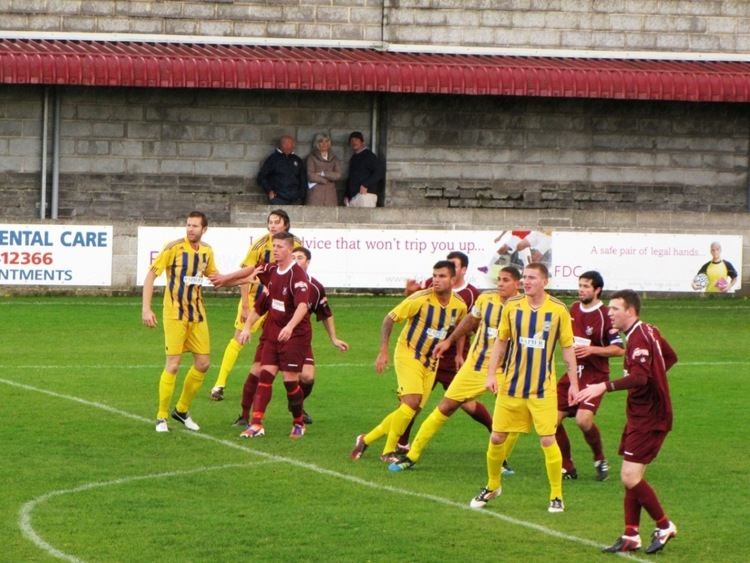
366	171
283	176
323	170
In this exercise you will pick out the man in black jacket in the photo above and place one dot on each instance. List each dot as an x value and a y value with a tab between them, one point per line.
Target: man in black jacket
366	170
283	176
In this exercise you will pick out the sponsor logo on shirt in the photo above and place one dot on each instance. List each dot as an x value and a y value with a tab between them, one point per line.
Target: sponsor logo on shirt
439	334
641	353
491	332
277	305
192	280
536	342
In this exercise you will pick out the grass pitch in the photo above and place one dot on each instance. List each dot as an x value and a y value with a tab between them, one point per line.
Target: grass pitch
87	478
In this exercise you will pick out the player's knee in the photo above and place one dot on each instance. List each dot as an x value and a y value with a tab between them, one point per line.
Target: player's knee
585	421
498	438
546	441
448	407
202	364
412	401
172	364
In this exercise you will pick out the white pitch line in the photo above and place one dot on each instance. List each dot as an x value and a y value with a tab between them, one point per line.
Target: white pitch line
328	472
27	528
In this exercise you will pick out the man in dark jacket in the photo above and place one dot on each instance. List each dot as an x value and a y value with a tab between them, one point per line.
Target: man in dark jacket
283	176
366	170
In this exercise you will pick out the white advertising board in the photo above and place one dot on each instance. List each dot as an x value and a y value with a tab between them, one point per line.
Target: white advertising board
55	255
382	259
640	261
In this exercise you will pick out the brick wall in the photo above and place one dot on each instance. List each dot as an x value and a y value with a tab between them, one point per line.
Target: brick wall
668	25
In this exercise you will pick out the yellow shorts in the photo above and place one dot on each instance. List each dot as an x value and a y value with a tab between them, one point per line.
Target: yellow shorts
467	385
413	377
185	336
514	414
239	324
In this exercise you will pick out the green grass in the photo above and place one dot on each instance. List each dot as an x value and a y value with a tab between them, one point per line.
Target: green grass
134	495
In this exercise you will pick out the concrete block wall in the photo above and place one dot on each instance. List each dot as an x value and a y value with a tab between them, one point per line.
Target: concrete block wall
321	19
576	154
155	154
653	25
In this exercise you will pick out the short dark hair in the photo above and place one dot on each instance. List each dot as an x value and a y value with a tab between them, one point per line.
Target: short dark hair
357	135
204	219
539	267
513	271
286	236
630	297
596	279
304	251
284	217
440	264
461	256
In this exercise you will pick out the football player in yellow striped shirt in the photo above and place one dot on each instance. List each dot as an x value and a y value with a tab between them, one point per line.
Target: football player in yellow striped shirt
429	316
186	262
470	380
531	327
260	252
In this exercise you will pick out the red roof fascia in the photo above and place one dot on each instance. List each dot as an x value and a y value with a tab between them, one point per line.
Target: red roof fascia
169	65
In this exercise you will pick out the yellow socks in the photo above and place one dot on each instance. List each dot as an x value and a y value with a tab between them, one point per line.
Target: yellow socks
495	458
231	353
553	462
380	430
399	421
193	381
166	388
427	430
510	443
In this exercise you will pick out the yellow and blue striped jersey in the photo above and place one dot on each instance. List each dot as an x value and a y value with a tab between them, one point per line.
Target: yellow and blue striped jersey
487	309
428	322
185	269
532	335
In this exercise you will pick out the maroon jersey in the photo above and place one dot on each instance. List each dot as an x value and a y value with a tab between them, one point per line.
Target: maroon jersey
469	294
647	358
319	301
593	325
286	290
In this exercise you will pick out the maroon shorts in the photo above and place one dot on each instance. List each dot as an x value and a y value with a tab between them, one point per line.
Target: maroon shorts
641	446
309	357
562	396
288	356
444	377
258	352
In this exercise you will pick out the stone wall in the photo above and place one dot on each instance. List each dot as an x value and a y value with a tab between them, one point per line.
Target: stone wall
658	25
